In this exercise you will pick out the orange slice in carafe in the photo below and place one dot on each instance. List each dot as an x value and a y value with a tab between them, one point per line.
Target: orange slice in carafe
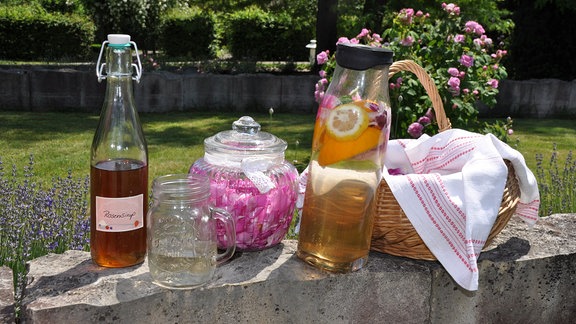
333	150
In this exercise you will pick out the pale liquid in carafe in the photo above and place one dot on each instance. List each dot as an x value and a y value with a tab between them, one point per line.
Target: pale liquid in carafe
337	219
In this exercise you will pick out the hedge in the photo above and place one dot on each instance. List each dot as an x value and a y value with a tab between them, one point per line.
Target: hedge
30	33
253	33
187	32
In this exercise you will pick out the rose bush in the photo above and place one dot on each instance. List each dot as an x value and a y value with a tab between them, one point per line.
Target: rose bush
461	59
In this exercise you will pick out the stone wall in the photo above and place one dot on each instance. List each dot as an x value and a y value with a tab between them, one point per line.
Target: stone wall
38	89
535	98
527	275
42	89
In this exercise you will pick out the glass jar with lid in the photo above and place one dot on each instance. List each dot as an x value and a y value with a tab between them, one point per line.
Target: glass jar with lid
250	178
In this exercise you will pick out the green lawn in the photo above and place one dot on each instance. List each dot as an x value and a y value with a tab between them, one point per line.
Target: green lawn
538	136
61	141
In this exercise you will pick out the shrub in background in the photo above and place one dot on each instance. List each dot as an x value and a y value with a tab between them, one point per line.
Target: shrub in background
457	54
63	6
187	32
139	18
31	33
460	57
256	34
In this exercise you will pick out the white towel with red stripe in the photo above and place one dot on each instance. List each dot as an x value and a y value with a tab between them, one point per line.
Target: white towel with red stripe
450	187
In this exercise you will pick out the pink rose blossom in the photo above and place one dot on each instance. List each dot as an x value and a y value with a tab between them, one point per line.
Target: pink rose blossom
493	83
473	27
466	60
459	38
322	74
424	120
510	131
451	9
322	57
408	41
415	130
499	54
453	72
365	32
430	114
454	82
343	40
478	42
318	95
406	15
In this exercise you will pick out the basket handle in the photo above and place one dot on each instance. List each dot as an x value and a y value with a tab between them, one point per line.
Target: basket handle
429	86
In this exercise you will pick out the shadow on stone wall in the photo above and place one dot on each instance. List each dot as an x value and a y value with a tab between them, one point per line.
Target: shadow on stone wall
42	89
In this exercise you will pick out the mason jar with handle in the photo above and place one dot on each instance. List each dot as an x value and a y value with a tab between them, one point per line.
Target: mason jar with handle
350	137
182	234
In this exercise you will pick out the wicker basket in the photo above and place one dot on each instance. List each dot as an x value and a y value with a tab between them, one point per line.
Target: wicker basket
393	233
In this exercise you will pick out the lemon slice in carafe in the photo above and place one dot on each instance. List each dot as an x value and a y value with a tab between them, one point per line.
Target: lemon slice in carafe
347	122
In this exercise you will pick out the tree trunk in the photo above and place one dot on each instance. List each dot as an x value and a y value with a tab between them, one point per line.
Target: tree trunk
326	19
374	10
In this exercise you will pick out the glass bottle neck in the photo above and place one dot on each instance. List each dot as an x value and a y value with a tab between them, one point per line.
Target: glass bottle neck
119	61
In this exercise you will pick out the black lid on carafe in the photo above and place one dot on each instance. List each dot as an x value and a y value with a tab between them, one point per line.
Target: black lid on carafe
362	57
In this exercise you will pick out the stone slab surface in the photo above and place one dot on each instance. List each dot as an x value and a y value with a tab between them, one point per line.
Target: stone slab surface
267	286
6	295
527	275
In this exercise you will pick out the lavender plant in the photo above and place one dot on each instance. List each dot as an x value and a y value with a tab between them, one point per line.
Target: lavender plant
557	186
35	222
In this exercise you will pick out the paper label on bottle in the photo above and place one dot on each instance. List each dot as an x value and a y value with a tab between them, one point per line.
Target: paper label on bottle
119	214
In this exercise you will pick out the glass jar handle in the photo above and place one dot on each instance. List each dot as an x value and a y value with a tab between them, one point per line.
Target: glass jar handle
230	230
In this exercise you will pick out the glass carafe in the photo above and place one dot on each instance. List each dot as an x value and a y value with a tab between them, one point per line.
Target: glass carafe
350	137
